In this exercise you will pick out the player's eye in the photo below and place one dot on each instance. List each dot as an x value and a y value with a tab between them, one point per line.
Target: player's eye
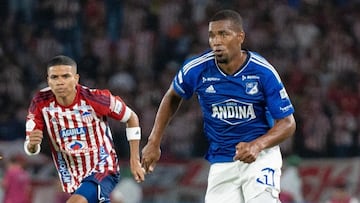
224	34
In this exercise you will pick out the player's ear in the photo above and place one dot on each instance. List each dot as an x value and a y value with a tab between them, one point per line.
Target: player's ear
241	36
77	77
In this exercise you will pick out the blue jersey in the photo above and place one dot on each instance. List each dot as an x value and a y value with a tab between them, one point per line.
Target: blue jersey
236	108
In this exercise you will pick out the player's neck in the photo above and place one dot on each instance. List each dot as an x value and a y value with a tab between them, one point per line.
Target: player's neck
235	64
67	100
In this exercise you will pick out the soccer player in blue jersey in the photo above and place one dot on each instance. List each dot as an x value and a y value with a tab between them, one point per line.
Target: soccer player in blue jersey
247	114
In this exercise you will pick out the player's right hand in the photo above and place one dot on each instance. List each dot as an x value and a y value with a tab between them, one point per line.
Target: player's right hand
246	152
150	155
35	137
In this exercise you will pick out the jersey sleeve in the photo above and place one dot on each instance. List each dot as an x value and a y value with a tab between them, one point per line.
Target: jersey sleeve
183	83
118	109
107	104
277	99
34	118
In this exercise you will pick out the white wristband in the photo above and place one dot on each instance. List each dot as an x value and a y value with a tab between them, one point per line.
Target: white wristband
27	150
133	133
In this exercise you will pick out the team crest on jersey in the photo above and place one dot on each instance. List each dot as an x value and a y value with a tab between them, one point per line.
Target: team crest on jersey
76	145
87	117
251	88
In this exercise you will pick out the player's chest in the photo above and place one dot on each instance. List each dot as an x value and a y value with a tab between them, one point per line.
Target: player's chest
63	118
247	88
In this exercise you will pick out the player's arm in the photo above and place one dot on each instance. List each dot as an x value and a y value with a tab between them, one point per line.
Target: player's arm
133	134
168	106
282	129
34	134
118	110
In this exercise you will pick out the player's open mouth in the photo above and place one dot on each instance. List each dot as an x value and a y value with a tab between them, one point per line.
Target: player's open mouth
218	51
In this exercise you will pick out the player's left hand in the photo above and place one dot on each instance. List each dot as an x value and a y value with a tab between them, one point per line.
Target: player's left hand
137	171
246	152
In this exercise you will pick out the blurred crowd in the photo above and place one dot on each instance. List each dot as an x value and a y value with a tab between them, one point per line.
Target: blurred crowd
134	48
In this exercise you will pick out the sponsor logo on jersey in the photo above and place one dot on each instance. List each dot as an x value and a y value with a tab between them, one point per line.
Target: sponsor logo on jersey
85	108
118	106
250	77
283	93
209	79
251	88
72	131
63	169
233	111
210	89
87	117
286	108
103	155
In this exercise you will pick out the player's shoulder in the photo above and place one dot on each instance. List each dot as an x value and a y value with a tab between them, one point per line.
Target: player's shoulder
94	95
262	65
43	95
260	62
92	92
258	59
198	62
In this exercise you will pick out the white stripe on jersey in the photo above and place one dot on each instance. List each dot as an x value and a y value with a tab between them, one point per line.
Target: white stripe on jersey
197	61
263	62
179	87
47	118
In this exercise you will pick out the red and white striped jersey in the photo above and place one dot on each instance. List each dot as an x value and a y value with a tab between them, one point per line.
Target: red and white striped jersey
80	137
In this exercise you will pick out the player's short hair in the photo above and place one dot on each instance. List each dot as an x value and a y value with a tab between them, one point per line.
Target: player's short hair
62	60
231	15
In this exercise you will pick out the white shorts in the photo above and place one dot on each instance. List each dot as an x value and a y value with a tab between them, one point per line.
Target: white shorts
240	182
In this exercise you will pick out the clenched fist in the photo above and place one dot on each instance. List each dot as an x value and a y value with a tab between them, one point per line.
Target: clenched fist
34	140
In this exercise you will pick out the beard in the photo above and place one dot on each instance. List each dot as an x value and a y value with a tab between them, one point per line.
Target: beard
221	59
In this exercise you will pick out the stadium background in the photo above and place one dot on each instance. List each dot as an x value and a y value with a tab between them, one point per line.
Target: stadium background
135	47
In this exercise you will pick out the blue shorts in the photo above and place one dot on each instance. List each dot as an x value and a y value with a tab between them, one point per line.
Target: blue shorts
97	187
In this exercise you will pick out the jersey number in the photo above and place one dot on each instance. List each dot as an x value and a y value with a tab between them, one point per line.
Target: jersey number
267	177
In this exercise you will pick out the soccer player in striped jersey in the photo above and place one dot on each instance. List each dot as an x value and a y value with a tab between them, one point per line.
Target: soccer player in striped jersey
247	114
75	119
